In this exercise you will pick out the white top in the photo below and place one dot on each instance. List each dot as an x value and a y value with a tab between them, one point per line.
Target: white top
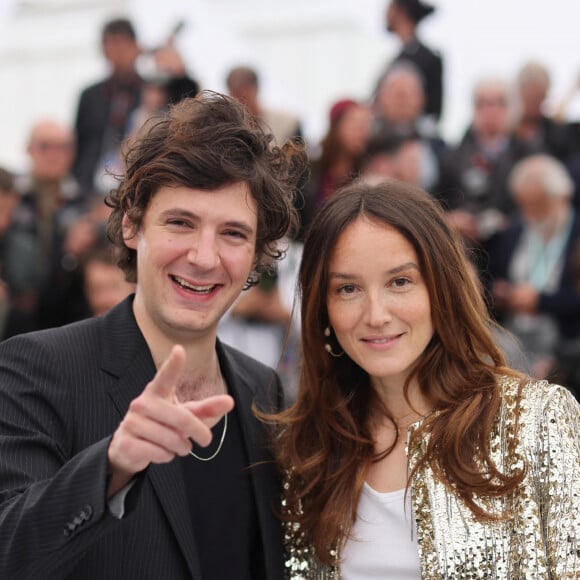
383	544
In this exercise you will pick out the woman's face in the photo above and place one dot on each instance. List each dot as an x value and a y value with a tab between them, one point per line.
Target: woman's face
354	129
378	303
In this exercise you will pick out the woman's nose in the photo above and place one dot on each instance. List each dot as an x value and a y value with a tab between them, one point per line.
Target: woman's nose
378	310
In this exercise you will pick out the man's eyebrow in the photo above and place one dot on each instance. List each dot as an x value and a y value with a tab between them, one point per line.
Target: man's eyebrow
185	213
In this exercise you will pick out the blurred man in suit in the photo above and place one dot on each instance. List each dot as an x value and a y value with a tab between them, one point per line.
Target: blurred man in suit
105	108
109	109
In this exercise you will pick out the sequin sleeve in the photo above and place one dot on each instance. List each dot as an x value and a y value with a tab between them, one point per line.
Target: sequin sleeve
300	561
558	441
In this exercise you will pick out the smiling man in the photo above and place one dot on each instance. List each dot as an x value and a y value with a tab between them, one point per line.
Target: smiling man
129	447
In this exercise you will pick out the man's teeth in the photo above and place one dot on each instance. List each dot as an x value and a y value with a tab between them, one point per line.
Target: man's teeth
184	284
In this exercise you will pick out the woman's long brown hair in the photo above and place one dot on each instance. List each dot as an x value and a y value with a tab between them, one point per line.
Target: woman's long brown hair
325	439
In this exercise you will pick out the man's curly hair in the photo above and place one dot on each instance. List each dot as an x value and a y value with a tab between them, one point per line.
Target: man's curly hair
208	142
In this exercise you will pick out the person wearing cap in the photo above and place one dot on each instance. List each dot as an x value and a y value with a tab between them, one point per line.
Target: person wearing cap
341	153
402	19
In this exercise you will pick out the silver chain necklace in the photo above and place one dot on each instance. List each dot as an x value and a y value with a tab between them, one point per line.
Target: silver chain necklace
225	429
214	454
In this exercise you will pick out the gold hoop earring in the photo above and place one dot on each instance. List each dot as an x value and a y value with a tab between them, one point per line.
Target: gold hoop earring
328	346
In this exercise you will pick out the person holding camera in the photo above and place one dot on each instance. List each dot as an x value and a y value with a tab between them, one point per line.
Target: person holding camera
106	110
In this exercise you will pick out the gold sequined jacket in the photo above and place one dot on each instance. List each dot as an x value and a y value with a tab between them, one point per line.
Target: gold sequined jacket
540	539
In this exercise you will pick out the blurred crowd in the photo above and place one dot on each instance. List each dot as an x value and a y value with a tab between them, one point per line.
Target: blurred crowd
510	187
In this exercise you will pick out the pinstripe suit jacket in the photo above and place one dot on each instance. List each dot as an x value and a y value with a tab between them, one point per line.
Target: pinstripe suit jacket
63	393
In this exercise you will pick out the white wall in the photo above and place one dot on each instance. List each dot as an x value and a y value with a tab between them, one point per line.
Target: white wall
49	49
309	52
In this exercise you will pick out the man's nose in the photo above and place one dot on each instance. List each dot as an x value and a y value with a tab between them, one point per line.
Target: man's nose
204	252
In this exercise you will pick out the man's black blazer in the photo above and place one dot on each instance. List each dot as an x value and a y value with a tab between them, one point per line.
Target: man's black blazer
63	392
93	124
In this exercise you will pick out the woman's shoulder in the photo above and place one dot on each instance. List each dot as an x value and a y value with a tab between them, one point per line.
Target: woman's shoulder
536	397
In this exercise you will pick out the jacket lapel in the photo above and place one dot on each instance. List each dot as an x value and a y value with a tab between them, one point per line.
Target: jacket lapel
127	357
167	481
265	482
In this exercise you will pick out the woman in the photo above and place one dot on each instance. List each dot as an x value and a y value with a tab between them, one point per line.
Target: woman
341	155
412	451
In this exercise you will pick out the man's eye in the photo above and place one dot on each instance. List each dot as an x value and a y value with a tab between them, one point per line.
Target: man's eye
236	234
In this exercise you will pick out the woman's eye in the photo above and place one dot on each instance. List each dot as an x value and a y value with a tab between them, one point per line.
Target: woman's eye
347	289
400	282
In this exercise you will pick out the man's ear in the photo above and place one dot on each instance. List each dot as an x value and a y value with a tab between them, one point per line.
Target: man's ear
129	233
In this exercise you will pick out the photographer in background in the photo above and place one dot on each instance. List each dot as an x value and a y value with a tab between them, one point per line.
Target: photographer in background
106	109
